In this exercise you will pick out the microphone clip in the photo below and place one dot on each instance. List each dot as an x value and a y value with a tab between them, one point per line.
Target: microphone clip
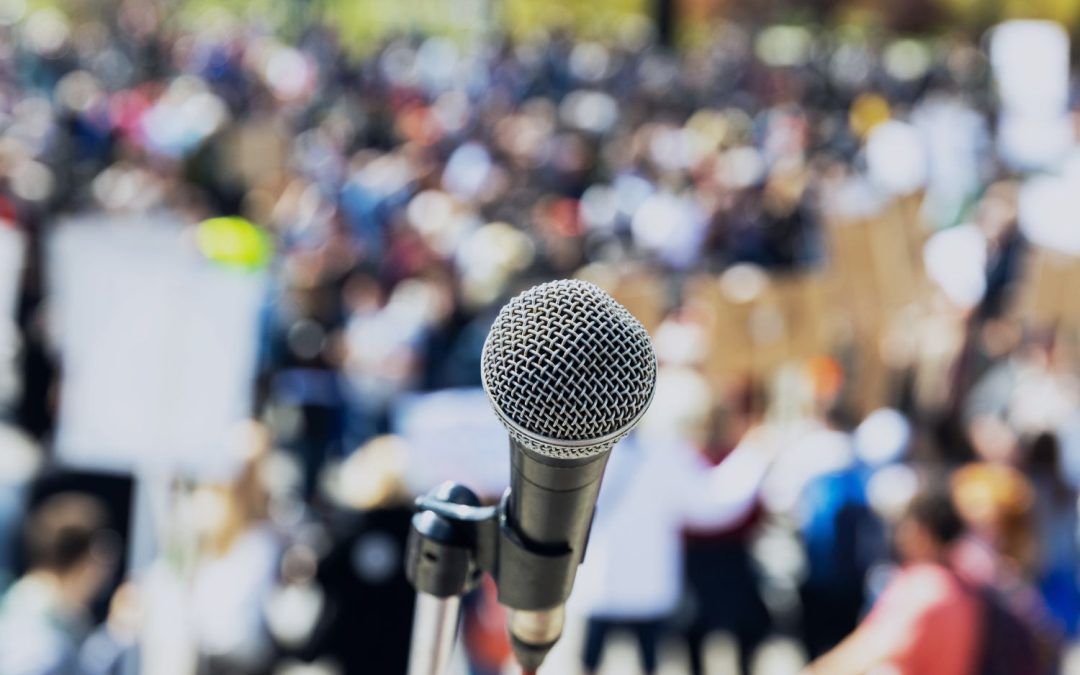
454	540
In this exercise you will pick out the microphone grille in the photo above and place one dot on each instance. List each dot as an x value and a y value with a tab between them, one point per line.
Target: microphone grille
568	369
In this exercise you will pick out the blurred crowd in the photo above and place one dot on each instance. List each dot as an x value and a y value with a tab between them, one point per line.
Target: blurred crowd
409	190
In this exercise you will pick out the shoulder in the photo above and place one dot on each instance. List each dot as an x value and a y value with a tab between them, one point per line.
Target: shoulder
32	645
925	586
930	577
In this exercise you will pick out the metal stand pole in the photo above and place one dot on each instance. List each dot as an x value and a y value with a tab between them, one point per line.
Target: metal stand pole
435	626
441	564
149	501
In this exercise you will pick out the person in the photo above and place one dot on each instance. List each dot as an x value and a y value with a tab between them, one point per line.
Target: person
996	503
722	582
834	517
656	484
20	461
1002	551
239	553
46	626
1057	525
843	536
366	623
927	620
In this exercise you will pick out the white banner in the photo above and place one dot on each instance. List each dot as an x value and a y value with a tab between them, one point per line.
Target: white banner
158	347
454	435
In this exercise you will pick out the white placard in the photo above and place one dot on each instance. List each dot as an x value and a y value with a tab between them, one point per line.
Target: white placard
955	260
1030	60
158	347
896	158
454	435
1046	210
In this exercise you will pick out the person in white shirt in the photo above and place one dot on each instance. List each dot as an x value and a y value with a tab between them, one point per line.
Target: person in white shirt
656	484
46	627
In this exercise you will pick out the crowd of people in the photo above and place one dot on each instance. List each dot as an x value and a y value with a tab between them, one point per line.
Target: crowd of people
409	190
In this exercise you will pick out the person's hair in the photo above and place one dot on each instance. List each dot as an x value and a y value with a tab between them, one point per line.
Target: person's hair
998	499
1044	461
373	476
934	509
63	531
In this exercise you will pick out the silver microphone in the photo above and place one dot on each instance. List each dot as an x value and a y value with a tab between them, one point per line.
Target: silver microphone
569	372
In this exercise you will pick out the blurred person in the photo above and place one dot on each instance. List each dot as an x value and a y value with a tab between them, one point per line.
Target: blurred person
1027	393
996	217
843	535
956	137
382	340
819	431
1057	527
1001	551
722	583
45	623
996	502
657	484
20	460
238	559
306	354
366	622
926	621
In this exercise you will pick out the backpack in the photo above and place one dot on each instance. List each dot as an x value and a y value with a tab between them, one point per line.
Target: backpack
1010	645
842	535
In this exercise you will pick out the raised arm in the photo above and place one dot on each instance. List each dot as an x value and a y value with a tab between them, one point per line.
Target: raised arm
727	492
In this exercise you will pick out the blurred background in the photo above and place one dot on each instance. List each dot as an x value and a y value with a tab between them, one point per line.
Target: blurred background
250	250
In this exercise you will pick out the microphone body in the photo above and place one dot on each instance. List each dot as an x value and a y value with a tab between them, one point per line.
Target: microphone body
550	509
569	372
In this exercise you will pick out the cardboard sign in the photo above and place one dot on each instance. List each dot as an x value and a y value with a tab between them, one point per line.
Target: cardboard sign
874	278
786	319
158	347
1046	297
875	263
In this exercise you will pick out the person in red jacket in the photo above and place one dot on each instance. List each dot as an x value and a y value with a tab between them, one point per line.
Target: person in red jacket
927	621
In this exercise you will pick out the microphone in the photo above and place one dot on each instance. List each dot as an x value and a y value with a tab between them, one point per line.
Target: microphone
569	372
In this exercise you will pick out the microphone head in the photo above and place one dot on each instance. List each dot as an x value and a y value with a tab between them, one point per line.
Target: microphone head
568	369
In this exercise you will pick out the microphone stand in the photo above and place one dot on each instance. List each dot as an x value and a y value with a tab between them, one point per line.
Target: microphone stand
435	625
453	540
441	563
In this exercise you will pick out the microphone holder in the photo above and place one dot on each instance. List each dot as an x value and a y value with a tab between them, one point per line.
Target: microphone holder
453	540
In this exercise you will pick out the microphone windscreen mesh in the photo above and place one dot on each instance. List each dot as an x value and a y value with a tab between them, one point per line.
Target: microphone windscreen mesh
568	369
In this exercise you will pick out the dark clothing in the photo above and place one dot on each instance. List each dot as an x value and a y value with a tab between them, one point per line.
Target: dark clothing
646	633
724	589
843	539
828	616
367	623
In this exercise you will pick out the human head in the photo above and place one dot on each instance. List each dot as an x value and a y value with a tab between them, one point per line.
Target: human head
929	526
681	406
66	538
373	476
996	502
